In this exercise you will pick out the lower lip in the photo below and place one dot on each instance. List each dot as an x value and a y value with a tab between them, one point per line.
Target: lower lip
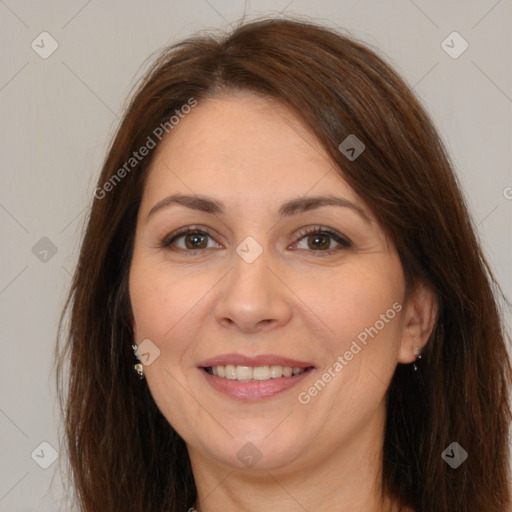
254	391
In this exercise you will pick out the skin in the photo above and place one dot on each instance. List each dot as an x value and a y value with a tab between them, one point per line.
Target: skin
294	300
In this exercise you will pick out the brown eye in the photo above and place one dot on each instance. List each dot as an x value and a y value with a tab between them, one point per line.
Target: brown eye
319	242
320	239
190	239
196	241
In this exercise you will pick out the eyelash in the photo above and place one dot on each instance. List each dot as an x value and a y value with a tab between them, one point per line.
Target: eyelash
344	243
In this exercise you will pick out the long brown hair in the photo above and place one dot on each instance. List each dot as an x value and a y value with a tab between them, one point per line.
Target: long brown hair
123	454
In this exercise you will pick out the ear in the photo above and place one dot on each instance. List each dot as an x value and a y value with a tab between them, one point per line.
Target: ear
418	320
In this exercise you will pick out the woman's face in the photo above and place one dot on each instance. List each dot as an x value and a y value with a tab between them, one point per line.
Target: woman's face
284	267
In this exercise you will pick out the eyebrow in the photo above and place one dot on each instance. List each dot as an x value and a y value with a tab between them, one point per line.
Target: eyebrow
295	206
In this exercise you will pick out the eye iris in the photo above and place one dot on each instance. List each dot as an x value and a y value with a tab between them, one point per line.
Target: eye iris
195	241
318	241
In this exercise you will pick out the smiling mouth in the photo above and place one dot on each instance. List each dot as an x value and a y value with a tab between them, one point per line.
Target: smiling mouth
255	373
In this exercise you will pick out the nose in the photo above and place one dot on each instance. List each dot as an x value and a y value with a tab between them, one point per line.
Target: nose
254	297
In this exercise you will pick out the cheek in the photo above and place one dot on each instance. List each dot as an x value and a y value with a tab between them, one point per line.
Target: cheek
169	308
160	299
352	300
360	311
150	305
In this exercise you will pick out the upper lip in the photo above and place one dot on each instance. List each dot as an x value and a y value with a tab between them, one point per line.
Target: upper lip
260	360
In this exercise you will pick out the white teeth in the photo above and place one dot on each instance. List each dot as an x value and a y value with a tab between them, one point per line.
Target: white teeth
261	373
256	373
276	372
243	373
287	371
230	372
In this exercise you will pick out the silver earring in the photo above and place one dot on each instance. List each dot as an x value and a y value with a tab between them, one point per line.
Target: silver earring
138	367
417	352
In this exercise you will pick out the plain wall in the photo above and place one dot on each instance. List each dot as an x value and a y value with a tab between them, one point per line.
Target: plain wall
58	115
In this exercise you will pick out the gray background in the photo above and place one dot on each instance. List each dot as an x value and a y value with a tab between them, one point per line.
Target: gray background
59	113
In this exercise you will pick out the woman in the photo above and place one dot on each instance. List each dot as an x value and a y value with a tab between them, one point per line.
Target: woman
280	299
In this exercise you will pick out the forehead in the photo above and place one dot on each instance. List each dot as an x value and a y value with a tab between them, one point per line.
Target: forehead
243	147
